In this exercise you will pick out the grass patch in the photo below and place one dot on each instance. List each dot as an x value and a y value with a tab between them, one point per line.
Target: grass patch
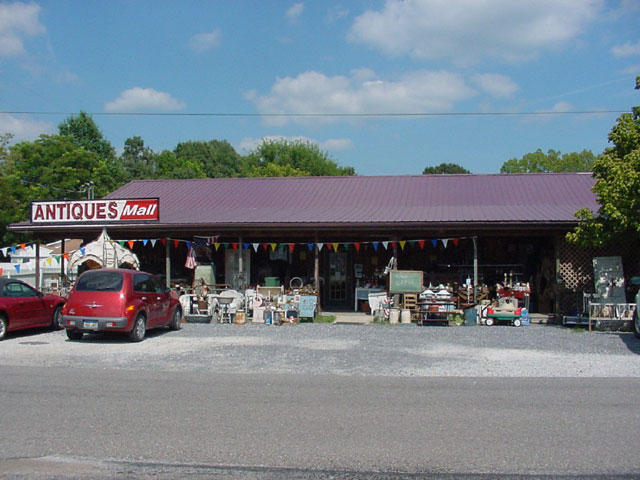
324	319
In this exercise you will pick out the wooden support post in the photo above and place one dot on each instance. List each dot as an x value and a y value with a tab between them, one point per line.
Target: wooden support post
37	282
475	269
62	272
167	262
316	269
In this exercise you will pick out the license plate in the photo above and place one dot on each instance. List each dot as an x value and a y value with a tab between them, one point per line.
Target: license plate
91	324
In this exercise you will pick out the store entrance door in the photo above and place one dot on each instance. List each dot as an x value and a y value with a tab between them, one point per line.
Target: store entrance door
337	295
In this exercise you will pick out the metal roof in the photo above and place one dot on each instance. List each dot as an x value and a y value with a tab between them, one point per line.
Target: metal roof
512	198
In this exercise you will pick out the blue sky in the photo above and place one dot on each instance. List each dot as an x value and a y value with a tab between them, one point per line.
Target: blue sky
253	59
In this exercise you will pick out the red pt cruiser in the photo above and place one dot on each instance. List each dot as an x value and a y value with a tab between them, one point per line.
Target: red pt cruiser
119	300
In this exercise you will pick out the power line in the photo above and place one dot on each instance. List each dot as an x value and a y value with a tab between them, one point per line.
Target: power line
311	115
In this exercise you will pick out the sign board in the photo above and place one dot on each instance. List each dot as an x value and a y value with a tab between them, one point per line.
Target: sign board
96	211
405	281
609	279
308	305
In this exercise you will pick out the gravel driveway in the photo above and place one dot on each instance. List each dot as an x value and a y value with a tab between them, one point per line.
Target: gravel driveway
387	350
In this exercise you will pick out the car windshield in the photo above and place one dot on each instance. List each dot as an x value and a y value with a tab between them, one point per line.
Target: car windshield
100	282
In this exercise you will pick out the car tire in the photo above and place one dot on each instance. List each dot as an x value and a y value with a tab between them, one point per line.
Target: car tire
56	319
489	322
74	335
176	320
4	324
517	322
636	324
139	329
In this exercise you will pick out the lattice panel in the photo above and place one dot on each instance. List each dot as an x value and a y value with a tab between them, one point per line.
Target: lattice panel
575	270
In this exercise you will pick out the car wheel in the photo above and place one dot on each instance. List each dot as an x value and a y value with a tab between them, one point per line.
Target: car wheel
139	329
636	324
176	320
517	322
3	326
489	322
74	334
56	320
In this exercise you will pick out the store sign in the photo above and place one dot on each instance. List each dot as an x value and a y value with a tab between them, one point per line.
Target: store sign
81	211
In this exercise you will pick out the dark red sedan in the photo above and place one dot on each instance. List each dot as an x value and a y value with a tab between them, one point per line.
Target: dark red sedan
119	300
22	306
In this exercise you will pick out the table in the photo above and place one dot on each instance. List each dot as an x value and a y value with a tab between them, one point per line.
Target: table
363	294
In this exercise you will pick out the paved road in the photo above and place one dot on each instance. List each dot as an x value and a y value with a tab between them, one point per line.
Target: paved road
67	418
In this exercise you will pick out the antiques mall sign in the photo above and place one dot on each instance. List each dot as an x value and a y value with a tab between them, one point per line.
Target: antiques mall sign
82	211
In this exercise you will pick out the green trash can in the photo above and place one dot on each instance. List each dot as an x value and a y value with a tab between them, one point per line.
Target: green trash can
271	281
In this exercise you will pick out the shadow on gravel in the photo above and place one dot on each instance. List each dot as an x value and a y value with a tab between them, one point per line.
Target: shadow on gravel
115	338
631	341
30	332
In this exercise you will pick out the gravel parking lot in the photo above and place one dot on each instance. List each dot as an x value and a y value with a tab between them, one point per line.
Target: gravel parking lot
372	350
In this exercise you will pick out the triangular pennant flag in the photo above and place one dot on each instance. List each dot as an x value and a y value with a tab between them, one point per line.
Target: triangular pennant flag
57	258
13	249
335	246
292	246
163	241
121	243
274	246
176	243
23	246
434	242
255	247
320	245
412	243
188	245
375	245
4	251
421	243
66	256
245	246
265	246
310	245
225	245
455	241
216	246
357	246
445	241
49	261
1	272
235	246
144	242
393	244
82	251
402	244
130	243
17	267
385	245
153	242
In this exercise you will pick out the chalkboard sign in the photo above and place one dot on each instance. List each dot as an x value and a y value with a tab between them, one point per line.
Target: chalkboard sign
405	281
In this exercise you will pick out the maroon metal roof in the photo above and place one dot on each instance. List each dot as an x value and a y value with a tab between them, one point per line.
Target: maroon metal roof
517	198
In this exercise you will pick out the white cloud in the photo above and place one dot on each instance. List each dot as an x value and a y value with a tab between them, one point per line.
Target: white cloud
465	31
496	85
205	41
626	50
23	128
143	99
362	93
336	12
17	22
331	145
295	11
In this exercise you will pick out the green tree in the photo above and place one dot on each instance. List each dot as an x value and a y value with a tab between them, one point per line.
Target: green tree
167	165
550	162
217	158
4	151
86	134
298	158
617	187
445	168
136	159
